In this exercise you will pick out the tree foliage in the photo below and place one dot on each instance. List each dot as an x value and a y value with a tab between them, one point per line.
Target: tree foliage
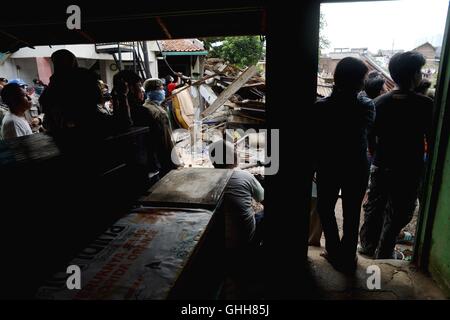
242	51
324	43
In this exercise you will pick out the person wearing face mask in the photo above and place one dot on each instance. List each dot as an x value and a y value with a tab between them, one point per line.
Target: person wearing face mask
162	142
128	94
155	90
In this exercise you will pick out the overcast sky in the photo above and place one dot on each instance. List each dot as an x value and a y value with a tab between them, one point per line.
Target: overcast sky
380	25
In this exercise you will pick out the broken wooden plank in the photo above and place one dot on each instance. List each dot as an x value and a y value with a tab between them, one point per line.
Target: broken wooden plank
222	67
230	90
252	104
243	120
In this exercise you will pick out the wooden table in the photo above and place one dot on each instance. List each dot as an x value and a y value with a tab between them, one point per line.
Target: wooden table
189	188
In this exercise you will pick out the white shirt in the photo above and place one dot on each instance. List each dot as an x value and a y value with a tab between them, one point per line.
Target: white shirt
14	126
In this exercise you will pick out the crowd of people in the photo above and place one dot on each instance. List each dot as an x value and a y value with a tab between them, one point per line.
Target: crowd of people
362	132
94	111
97	111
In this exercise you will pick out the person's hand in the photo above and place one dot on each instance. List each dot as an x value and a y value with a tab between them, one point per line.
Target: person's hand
35	122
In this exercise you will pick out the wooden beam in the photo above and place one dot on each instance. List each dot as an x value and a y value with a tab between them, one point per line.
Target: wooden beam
163	27
230	90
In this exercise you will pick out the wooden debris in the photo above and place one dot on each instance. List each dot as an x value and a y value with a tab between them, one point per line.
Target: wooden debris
230	90
233	98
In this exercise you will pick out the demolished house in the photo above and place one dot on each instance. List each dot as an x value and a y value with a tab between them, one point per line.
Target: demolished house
226	97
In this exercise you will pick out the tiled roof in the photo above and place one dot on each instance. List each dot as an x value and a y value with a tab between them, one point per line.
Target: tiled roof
182	45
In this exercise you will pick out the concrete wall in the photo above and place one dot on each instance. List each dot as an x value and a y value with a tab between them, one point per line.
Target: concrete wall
106	73
29	69
25	69
86	51
152	46
86	57
153	63
8	69
197	65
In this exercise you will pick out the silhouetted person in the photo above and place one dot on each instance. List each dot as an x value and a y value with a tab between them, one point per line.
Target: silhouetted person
53	97
403	120
374	85
342	122
70	102
51	100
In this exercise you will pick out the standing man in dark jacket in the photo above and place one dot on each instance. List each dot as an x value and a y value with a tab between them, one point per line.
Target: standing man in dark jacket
402	125
164	147
343	120
128	92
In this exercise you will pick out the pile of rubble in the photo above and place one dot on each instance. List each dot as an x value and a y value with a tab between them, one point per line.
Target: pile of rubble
227	97
242	92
